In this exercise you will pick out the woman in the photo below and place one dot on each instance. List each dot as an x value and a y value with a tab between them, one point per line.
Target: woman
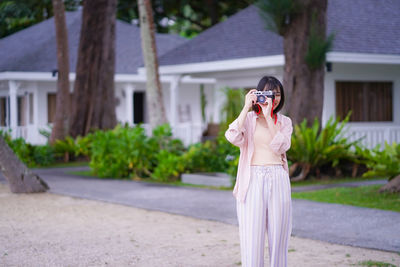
262	189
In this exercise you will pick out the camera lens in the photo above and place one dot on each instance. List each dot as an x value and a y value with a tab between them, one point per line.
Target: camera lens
261	99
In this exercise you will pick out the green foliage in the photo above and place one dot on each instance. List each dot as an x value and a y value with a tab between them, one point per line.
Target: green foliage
277	13
362	196
120	152
169	167
210	156
30	155
128	152
43	155
16	15
83	145
318	46
384	162
232	106
66	146
315	148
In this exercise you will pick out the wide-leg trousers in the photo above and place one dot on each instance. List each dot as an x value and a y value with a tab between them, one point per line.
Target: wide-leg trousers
267	209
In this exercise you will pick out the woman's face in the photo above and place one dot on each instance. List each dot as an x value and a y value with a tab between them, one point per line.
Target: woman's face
277	98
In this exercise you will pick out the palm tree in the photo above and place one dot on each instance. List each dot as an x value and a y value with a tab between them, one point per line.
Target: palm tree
154	96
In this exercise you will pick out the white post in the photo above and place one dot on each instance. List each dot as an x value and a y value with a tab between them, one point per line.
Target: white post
129	90
13	108
174	88
38	138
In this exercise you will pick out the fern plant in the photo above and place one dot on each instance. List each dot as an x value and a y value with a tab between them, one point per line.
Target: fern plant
312	148
384	162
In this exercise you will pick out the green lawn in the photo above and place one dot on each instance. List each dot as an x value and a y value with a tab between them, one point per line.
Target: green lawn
314	181
363	196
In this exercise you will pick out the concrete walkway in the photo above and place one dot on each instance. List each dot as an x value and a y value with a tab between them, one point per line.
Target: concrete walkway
340	224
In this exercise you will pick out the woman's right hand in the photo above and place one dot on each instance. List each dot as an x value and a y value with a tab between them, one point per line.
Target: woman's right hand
250	98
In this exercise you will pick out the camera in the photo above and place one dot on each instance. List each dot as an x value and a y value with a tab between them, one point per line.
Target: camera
262	96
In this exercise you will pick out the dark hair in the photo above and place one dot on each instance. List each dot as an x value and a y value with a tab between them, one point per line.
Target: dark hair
271	83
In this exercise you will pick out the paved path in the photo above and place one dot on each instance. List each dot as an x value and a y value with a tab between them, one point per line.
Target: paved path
340	224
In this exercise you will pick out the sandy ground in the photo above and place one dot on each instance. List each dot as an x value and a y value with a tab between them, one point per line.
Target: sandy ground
52	230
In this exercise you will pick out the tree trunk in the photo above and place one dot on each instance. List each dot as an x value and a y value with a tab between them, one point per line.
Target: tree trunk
61	122
305	170
304	87
393	186
154	95
93	103
19	177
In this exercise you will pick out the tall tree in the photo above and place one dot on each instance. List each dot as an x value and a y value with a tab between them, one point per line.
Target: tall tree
154	96
93	101
302	24
19	177
61	122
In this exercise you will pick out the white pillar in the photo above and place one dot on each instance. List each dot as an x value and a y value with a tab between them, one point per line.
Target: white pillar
174	88
129	90
13	108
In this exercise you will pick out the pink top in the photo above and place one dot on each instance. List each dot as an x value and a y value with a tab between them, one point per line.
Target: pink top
244	139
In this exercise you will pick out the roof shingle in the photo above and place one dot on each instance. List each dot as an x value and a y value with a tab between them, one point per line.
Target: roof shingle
360	26
34	49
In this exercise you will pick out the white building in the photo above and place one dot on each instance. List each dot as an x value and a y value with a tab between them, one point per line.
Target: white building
363	73
28	85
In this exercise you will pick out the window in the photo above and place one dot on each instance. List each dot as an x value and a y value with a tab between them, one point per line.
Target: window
51	107
22	110
368	101
4	111
139	107
30	108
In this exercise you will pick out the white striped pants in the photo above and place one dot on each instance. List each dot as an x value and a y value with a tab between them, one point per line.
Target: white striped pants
267	209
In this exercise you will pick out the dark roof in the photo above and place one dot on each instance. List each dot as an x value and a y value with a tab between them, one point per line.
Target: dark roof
34	48
361	26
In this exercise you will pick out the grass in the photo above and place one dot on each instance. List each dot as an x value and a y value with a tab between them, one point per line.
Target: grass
363	196
315	181
376	264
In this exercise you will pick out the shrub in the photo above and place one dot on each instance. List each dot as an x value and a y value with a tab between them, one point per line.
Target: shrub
66	148
43	155
128	152
120	152
312	148
169	167
384	162
30	155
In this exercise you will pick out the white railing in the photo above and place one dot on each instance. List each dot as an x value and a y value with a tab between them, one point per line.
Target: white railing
19	131
374	135
188	132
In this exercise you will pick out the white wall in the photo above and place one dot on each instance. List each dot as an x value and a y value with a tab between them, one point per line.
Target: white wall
361	72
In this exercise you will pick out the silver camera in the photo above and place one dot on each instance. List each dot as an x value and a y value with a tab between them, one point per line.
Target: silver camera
262	96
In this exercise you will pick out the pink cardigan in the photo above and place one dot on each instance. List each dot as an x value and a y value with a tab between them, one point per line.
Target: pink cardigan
244	139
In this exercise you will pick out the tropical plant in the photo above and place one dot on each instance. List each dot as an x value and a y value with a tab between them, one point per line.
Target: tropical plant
65	148
233	105
312	147
384	162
